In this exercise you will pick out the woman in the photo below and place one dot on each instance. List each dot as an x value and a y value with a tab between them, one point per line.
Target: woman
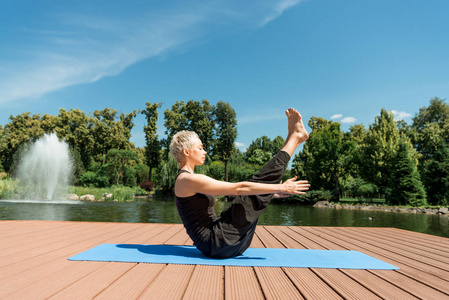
231	233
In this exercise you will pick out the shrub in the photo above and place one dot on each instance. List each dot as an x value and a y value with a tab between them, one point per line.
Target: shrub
130	177
368	191
8	188
88	178
310	197
147	185
242	172
123	193
141	172
91	179
166	175
319	195
217	170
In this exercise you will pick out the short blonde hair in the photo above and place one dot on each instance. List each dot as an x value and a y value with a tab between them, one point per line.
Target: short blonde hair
182	139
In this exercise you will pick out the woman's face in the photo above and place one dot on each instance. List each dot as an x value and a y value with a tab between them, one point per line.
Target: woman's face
197	153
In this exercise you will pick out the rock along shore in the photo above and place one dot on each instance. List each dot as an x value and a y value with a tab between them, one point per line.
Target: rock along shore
441	210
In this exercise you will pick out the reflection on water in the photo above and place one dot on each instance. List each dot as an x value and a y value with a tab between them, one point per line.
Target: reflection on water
164	211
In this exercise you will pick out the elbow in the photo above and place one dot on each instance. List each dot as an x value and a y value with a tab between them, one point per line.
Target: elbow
240	189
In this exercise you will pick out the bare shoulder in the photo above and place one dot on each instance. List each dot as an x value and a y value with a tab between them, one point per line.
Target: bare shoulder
192	178
190	184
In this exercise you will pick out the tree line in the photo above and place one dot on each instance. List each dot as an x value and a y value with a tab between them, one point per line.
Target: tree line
405	164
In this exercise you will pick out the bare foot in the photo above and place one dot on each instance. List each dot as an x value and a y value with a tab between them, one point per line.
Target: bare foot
296	129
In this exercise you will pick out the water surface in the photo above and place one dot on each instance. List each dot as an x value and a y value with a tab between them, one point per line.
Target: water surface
164	211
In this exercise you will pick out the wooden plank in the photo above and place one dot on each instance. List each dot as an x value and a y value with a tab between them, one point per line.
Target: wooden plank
40	240
42	270
179	238
19	281
310	285
133	283
312	240
256	242
206	283
379	286
43	288
388	255
268	240
276	284
94	283
64	250
285	239
345	286
408	256
241	283
170	283
427	287
424	245
413	251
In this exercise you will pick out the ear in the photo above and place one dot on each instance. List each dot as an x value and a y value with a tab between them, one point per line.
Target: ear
185	152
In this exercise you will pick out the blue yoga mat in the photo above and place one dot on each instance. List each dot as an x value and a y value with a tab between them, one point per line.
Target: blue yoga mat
261	257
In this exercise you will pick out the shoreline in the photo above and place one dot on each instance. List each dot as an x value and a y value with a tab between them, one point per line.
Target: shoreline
413	210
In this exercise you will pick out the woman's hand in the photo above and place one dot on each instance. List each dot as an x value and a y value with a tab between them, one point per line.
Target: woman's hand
293	187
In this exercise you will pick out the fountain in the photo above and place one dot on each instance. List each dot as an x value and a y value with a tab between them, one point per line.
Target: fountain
45	169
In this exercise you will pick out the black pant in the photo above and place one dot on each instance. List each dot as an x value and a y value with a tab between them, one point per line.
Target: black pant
233	232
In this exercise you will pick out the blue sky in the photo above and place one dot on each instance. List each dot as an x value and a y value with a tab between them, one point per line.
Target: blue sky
341	60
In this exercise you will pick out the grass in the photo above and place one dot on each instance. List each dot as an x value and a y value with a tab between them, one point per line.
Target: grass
9	189
357	200
120	193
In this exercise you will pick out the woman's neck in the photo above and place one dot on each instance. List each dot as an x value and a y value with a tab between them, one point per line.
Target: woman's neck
188	167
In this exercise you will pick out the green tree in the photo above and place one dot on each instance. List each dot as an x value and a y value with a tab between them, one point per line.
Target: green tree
201	120
259	157
262	149
378	150
278	143
74	126
21	129
226	122
111	132
405	186
436	176
166	175
436	112
263	143
153	145
429	126
194	116
323	157
119	161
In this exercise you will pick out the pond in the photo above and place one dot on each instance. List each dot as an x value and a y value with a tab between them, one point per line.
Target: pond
164	211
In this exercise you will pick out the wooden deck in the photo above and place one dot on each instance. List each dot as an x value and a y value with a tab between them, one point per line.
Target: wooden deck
34	265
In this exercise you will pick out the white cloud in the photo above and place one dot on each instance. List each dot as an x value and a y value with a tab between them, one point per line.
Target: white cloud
81	48
348	120
239	145
279	8
336	116
400	115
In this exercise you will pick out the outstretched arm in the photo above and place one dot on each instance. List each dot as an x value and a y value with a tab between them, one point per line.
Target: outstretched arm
190	184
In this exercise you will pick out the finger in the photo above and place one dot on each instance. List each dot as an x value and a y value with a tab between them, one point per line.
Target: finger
305	185
281	195
291	179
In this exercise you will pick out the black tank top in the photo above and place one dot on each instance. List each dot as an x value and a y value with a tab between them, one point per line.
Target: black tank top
197	214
